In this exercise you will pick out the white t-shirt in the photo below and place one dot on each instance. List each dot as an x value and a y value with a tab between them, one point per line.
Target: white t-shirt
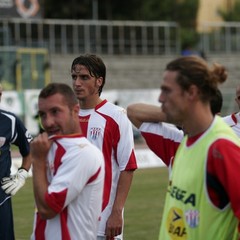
233	121
108	128
76	177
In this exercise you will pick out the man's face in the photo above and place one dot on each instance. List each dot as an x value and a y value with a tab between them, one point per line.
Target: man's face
56	117
172	98
85	86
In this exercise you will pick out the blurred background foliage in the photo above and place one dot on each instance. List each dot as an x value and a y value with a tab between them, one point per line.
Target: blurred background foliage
183	12
232	12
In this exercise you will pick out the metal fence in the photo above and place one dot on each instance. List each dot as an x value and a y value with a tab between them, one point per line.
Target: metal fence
220	37
115	37
102	37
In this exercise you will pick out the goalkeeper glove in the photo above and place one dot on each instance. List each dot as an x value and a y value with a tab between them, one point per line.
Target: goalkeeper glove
13	183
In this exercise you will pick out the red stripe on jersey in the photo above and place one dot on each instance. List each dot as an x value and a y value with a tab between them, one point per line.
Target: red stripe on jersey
58	157
40	228
84	124
224	163
162	147
101	104
91	179
132	163
111	138
56	200
64	225
234	118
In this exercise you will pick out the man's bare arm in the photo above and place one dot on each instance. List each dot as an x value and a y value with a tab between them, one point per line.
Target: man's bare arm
141	112
115	220
39	150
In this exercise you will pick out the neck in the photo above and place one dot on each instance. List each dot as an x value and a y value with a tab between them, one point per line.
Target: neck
198	122
89	103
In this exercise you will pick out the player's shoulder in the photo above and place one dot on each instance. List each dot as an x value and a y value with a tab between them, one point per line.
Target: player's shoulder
79	142
8	116
165	130
112	109
227	116
7	113
230	119
81	146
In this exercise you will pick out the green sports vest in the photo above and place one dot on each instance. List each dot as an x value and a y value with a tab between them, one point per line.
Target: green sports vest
188	212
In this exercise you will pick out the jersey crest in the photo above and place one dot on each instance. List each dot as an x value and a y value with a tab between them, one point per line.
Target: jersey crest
95	132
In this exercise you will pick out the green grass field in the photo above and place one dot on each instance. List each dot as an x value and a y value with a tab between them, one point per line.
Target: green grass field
143	209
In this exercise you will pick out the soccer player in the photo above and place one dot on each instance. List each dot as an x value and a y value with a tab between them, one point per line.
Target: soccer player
233	120
203	181
68	171
205	170
12	131
106	125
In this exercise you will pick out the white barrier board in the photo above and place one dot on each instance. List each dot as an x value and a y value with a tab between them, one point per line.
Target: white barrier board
145	159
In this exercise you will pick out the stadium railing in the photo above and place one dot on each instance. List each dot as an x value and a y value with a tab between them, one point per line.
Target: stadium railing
103	37
115	37
220	37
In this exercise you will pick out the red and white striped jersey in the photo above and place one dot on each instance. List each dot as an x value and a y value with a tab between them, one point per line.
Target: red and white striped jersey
76	177
108	128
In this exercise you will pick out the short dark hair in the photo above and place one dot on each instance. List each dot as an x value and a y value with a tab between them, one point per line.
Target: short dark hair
95	66
61	88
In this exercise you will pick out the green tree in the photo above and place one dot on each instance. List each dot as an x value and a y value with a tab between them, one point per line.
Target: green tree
72	9
232	12
182	11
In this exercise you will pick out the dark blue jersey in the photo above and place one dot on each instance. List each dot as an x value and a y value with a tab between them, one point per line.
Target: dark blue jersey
12	131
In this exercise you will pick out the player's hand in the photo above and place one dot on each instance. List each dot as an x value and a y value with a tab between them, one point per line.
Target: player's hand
13	183
114	225
39	148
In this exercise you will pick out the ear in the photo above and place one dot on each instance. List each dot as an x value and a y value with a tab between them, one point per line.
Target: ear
193	92
99	81
76	108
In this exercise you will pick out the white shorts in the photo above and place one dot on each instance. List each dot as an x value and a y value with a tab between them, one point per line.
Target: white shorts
104	238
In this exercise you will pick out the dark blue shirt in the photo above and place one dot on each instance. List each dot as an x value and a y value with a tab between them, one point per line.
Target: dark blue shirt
12	131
